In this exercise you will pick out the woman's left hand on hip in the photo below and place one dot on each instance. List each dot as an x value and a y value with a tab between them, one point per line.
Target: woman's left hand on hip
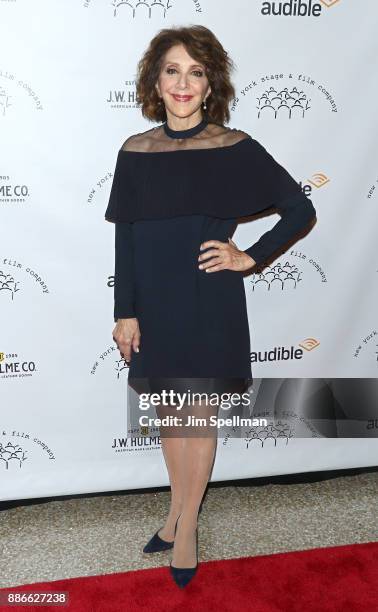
223	256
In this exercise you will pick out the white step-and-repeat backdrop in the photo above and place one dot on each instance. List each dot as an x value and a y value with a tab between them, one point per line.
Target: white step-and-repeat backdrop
306	89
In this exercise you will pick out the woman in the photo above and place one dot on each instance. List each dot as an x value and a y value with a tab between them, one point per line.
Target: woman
180	306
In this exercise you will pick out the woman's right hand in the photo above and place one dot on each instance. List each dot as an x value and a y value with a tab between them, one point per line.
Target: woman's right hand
127	334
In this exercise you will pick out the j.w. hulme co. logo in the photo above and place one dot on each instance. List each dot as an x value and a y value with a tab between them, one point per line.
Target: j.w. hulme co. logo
13	193
124	97
12	365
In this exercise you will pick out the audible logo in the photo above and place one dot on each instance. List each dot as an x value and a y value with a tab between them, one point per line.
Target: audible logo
280	353
296	8
309	344
318	180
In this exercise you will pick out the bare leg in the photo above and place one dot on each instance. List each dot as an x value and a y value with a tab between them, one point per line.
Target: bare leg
173	451
173	455
198	458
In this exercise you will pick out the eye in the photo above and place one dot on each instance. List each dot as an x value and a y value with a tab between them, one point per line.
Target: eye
198	73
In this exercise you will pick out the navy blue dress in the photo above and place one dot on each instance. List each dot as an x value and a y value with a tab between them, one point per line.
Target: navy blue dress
193	324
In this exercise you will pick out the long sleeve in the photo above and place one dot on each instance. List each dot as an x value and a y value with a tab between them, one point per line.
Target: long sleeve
274	186
297	211
124	288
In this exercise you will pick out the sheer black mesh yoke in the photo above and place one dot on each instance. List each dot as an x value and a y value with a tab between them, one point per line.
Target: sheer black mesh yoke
156	140
219	172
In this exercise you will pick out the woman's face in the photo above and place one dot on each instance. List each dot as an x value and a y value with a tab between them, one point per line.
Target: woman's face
182	83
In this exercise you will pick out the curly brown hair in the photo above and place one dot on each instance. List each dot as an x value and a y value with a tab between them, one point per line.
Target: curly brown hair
203	46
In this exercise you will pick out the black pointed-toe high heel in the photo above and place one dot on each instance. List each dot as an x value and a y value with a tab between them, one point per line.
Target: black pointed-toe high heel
183	575
157	544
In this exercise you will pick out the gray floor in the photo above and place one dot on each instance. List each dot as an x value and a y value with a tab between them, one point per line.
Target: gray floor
105	534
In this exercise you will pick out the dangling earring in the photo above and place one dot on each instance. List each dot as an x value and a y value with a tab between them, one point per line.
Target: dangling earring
204	104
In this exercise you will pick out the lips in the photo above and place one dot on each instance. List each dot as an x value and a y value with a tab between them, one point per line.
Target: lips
182	98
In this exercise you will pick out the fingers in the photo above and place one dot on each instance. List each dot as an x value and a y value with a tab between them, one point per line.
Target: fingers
208	254
213	254
215	268
222	257
212	243
214	260
136	343
125	348
126	340
216	263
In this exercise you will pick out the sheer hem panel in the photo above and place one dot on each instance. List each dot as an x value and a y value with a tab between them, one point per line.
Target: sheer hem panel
155	140
189	385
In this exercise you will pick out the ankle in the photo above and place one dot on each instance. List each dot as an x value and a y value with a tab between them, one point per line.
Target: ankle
174	512
188	519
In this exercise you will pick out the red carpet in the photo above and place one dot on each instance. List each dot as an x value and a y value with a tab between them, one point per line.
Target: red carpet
336	579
